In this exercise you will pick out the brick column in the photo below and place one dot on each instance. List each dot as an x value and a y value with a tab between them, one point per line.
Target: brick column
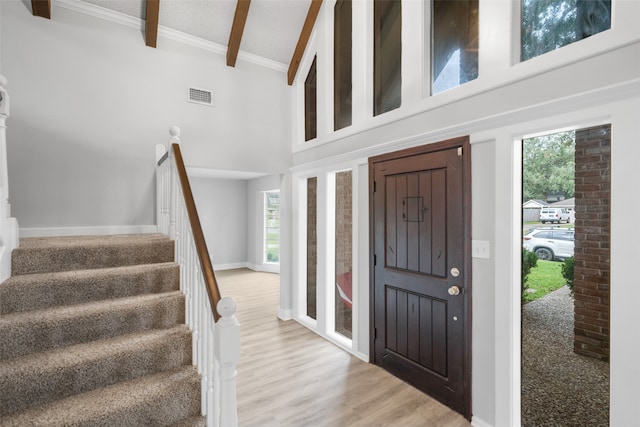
592	237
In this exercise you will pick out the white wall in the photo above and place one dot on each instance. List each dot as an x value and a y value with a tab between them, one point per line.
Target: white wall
255	225
90	101
222	208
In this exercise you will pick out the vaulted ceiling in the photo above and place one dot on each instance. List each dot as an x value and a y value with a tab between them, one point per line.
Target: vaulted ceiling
277	30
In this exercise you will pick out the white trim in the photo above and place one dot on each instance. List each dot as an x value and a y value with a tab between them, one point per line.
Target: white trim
265	268
168	33
478	422
285	314
603	95
231	266
84	231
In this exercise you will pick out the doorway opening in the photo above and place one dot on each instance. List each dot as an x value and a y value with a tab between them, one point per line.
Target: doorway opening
565	278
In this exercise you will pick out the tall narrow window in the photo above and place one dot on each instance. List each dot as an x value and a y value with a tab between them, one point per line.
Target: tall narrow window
342	64
344	258
550	24
310	104
455	43
312	246
272	226
387	55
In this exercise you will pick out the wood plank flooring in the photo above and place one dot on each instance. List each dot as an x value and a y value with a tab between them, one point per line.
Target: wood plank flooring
289	376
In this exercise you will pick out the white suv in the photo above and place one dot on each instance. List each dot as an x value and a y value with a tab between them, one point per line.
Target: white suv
550	243
554	215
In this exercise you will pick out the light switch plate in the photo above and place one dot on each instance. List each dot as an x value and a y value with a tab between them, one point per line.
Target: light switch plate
480	249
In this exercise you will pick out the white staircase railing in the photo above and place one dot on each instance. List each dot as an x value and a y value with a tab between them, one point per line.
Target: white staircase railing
8	225
216	333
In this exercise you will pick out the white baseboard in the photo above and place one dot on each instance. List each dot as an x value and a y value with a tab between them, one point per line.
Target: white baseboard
265	268
230	266
84	231
285	314
477	422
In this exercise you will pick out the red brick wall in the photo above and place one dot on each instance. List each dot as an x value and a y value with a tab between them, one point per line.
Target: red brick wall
592	249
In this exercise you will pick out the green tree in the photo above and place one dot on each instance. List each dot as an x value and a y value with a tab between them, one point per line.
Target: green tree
548	164
547	25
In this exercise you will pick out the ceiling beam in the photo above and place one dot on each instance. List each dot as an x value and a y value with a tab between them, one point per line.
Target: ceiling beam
151	23
41	8
239	19
314	9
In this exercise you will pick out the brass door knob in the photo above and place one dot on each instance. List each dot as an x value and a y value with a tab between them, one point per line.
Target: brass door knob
454	290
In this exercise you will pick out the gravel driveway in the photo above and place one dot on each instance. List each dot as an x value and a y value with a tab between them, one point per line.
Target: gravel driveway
559	387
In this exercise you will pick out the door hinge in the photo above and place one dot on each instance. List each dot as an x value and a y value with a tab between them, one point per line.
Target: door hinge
375	260
375	333
374	186
459	151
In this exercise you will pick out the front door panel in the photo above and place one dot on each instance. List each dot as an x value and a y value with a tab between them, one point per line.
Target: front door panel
419	239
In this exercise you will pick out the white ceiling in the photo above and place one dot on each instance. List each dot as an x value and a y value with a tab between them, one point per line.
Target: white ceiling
271	31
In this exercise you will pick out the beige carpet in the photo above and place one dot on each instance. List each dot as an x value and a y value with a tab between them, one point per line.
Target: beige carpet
92	334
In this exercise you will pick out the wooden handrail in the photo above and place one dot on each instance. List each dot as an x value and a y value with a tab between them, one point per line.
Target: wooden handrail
201	246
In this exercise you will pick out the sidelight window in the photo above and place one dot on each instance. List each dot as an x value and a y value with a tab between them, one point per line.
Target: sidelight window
312	246
344	253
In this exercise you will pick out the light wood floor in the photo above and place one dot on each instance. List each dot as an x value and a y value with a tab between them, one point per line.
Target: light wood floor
289	376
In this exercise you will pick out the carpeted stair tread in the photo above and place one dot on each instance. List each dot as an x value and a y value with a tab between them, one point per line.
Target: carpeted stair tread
39	330
42	290
161	399
41	377
50	254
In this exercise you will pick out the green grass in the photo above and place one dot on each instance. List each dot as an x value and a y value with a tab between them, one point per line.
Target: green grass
545	278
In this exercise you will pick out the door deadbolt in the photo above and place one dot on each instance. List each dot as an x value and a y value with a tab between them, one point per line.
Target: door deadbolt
455	272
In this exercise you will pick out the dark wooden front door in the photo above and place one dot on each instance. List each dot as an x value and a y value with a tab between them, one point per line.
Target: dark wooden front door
420	205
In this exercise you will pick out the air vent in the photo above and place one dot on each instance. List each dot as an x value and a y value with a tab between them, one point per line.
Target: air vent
200	96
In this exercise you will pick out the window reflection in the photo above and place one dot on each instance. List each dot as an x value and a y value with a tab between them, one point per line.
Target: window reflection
342	64
310	104
387	55
455	43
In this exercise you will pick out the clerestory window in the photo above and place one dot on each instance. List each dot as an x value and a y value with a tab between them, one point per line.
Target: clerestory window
342	77
550	24
387	55
310	103
455	43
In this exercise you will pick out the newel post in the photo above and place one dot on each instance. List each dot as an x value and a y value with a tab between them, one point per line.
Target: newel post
174	131
228	353
8	225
